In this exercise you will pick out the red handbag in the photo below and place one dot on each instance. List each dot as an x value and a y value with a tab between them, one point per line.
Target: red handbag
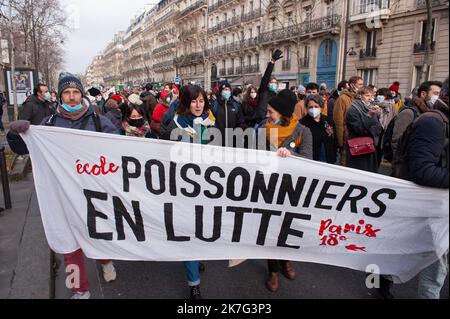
361	146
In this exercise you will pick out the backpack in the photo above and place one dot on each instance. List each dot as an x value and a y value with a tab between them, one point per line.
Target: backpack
386	144
98	126
401	160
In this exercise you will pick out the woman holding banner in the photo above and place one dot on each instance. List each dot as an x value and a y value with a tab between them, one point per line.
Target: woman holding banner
193	117
292	139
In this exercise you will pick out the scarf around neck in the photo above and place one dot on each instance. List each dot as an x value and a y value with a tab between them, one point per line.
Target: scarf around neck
75	116
284	132
136	131
192	124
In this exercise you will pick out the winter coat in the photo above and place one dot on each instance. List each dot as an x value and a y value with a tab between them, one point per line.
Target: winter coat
115	116
322	142
34	110
361	125
405	117
341	107
304	150
428	151
331	102
264	95
150	103
229	116
106	125
18	145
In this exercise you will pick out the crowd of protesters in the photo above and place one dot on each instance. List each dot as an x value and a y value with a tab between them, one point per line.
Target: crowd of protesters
355	125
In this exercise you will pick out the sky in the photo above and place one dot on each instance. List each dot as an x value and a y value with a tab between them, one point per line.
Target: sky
95	23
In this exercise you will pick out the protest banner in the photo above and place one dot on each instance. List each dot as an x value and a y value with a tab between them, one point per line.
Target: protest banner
135	199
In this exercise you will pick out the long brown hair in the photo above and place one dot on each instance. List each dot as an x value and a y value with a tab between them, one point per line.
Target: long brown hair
190	93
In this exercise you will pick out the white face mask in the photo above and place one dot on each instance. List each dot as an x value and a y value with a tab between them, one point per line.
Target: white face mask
253	95
314	112
433	100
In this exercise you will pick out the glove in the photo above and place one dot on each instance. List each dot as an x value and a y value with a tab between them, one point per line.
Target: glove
18	127
277	54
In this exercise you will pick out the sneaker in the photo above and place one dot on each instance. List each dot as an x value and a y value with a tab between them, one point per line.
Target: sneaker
195	292
81	295
109	272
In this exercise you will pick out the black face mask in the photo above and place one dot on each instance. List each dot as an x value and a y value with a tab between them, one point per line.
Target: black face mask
136	123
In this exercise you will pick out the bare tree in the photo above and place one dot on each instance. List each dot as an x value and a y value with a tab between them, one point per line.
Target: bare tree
428	41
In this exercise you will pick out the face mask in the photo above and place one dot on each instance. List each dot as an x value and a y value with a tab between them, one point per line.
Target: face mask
47	96
237	99
137	123
433	100
314	112
253	95
380	98
273	87
71	109
226	95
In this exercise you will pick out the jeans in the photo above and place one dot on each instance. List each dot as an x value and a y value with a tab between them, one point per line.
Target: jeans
192	269
432	278
77	259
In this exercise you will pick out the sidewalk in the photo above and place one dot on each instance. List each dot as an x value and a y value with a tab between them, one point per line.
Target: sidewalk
25	258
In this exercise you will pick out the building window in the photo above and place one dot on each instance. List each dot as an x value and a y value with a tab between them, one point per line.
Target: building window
307	13
423	31
330	8
328	52
371	40
369	76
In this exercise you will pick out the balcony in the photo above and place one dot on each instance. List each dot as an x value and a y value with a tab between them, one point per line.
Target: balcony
219	4
230	71
189	59
222	72
255	14
239	70
166	65
286	65
187	34
325	24
368	53
164	48
193	7
420	47
422	4
362	10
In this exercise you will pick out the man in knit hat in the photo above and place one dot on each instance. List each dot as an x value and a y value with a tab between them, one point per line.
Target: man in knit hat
228	115
74	112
